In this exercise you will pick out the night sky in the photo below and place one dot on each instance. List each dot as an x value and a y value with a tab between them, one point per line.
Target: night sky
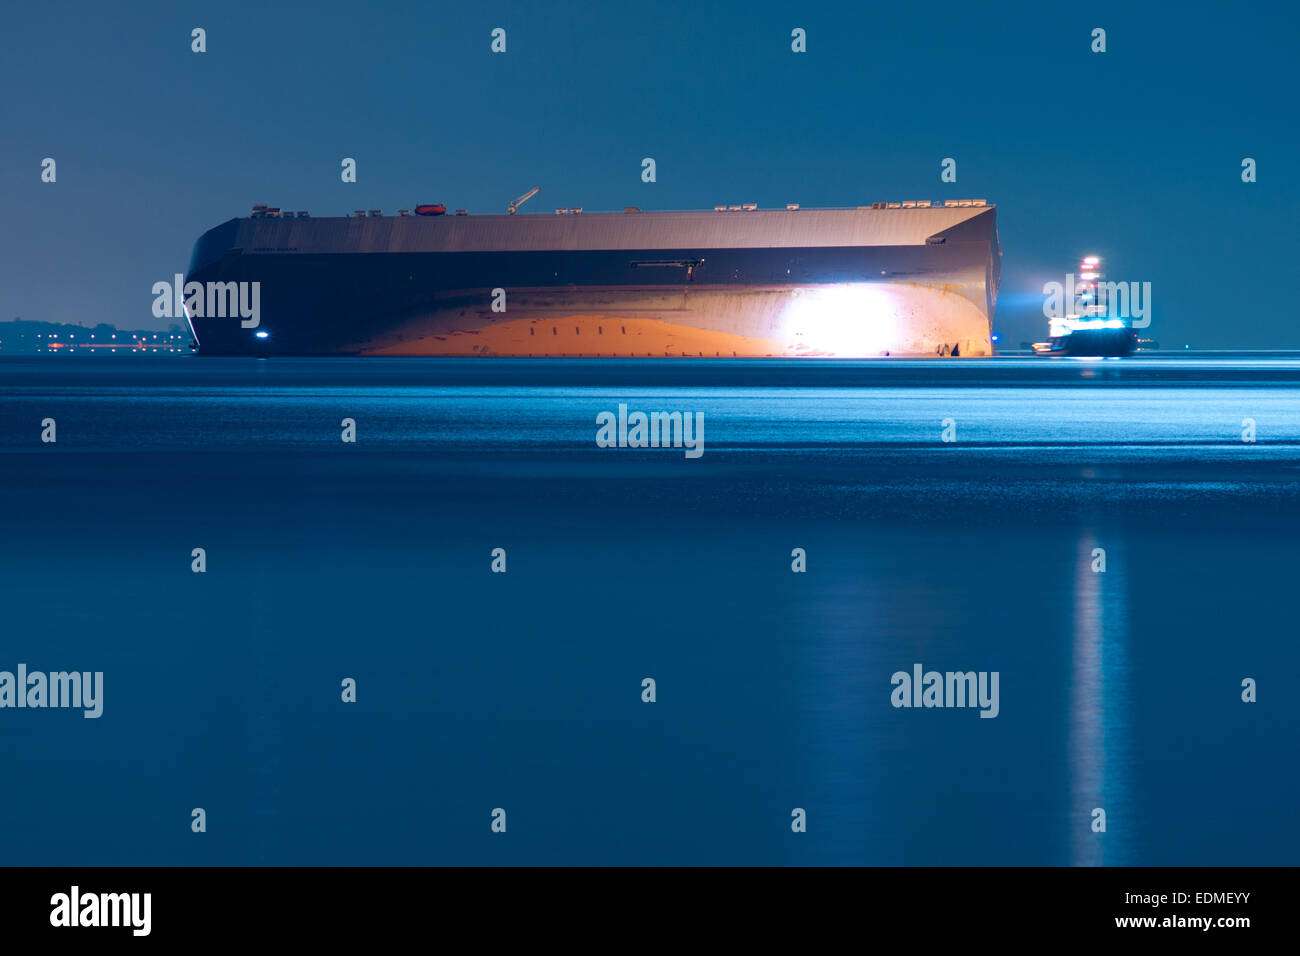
1134	154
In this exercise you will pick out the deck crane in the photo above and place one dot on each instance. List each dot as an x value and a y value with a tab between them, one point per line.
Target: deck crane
523	199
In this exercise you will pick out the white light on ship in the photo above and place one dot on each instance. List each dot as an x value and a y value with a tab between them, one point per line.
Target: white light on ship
849	320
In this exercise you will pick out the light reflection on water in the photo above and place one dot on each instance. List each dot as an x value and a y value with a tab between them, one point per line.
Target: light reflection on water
371	560
1099	718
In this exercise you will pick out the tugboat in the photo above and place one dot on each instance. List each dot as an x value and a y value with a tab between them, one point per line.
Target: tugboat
1087	328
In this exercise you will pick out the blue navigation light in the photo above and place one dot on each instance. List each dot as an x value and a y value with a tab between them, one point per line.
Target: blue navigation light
262	335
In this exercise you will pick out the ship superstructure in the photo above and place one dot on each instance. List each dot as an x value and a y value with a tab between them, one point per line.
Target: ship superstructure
1088	324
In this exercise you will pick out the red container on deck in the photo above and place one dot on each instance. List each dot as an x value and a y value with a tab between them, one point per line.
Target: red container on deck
436	209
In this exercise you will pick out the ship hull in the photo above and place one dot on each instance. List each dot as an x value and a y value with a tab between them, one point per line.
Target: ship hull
418	288
1105	343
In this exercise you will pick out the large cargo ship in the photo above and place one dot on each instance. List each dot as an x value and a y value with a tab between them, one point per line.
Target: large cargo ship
899	279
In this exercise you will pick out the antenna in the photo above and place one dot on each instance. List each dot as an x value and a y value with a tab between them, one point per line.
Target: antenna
523	199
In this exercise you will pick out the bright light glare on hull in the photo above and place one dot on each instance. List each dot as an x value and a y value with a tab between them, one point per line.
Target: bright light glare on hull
853	320
262	334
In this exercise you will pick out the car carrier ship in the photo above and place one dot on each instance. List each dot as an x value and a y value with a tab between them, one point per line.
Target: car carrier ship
916	278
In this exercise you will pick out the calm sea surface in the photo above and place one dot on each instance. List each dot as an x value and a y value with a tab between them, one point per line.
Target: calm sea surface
371	560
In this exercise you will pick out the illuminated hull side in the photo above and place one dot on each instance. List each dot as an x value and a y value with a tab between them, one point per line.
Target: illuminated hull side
788	283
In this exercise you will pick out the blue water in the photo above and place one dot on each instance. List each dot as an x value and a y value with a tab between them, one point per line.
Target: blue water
1119	690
